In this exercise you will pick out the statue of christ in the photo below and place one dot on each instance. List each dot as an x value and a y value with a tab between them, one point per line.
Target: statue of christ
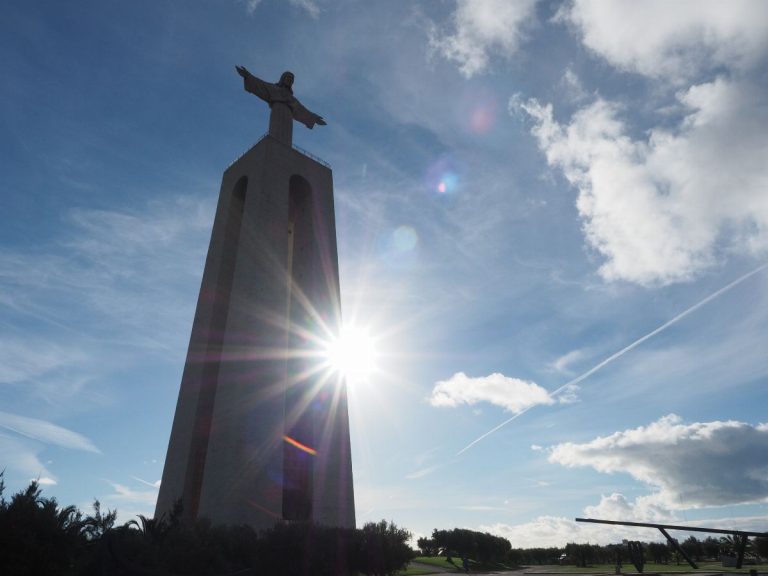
284	105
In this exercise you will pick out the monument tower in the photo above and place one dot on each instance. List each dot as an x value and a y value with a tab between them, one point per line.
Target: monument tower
261	430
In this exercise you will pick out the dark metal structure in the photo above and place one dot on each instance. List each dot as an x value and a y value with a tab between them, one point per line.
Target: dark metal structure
739	536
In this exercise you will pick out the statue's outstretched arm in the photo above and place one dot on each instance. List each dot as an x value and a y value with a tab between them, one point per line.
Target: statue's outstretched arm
254	85
306	117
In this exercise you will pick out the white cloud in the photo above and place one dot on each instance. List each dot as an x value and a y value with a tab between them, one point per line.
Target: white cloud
556	531
662	209
481	28
644	509
512	394
547	531
45	481
46	432
688	465
671	39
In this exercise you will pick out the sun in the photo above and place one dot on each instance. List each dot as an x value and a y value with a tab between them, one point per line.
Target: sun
353	354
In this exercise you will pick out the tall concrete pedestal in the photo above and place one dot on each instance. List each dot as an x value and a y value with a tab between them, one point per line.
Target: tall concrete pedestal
261	431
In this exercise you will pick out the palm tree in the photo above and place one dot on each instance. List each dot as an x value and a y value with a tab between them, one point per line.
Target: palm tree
38	537
154	529
96	525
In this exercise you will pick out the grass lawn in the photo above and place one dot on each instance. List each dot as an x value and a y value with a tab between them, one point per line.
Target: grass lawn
438	561
649	568
442	565
433	564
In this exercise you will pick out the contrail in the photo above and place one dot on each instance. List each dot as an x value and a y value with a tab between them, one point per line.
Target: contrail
624	350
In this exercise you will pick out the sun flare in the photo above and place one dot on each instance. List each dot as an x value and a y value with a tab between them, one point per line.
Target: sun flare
353	354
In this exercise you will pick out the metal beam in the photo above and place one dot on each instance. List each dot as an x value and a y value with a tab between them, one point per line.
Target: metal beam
742	546
673	542
675	527
636	555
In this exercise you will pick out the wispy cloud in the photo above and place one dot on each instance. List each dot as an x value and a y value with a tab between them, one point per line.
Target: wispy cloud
309	6
20	455
22	439
127	268
251	5
46	432
421	473
564	362
567	387
572	86
155	484
129	501
26	358
127	494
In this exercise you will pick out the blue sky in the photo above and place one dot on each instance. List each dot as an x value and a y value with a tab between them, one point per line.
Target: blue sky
522	191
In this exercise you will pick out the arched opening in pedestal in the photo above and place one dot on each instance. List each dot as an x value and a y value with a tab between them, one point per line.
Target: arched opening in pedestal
298	456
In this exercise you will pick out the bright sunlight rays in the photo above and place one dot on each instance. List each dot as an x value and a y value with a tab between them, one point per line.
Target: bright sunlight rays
353	354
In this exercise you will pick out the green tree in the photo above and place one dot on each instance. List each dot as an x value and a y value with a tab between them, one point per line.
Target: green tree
427	547
760	546
658	552
711	548
581	554
383	548
693	547
96	525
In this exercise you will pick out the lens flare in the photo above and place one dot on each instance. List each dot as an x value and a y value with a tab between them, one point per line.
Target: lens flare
483	118
447	183
442	176
404	239
478	110
303	447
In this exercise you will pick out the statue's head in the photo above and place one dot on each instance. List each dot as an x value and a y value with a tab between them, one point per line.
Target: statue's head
286	79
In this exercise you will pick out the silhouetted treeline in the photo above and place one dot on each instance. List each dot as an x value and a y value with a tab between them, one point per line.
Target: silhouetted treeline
39	537
710	548
488	548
